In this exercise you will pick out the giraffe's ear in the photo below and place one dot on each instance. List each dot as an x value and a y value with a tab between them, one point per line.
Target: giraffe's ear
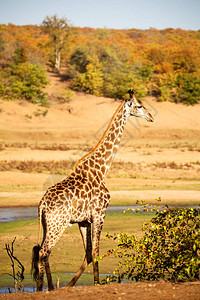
131	93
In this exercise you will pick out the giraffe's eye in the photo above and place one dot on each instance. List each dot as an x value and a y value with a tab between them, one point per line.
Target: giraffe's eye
139	106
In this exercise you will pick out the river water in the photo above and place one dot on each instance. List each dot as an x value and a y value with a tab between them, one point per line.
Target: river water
9	214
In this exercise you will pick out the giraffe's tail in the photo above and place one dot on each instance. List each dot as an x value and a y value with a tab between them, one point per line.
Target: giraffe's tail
35	262
40	208
35	251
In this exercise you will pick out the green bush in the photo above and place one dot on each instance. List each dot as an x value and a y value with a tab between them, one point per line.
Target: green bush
165	85
179	88
91	81
117	84
66	96
108	59
24	81
79	59
188	88
19	55
145	72
168	250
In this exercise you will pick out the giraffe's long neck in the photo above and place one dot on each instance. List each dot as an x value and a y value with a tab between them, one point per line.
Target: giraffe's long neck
100	158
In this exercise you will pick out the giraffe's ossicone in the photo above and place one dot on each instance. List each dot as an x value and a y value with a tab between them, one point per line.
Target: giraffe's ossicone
83	197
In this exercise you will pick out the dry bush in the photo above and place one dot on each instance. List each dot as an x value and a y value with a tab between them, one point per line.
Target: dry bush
172	165
31	166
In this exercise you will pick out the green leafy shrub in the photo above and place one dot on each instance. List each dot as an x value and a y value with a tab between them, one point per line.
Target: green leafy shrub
165	85
40	112
108	59
66	96
179	88
79	59
117	84
145	72
188	88
168	250
91	81
24	81
19	55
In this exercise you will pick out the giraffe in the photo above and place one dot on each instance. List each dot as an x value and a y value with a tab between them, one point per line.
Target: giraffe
82	198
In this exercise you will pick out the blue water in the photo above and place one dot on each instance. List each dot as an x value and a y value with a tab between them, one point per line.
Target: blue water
9	214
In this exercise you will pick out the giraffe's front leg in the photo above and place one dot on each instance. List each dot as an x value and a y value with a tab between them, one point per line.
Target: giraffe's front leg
96	232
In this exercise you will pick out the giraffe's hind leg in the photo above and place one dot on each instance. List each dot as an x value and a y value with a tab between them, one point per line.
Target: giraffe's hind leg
41	268
54	226
85	230
44	266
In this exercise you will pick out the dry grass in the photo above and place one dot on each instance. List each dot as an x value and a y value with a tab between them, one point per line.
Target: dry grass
49	147
184	146
32	166
65	166
175	166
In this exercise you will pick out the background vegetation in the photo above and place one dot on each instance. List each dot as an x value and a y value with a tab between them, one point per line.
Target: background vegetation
162	63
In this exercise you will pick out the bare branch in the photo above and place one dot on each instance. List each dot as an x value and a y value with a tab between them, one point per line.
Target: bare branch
19	277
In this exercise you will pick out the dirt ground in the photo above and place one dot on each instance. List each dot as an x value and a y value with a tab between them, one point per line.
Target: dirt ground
136	291
172	138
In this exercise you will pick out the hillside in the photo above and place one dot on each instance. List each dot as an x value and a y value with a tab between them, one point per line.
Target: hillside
163	63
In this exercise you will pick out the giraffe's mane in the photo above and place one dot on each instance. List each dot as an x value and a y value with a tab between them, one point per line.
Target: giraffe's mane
108	127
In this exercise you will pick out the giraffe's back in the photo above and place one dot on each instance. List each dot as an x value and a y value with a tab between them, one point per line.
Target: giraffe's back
70	196
80	196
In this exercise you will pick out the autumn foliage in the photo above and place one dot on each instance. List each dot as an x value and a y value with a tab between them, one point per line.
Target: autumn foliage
162	63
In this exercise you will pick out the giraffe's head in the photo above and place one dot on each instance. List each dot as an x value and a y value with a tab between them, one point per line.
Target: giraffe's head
136	109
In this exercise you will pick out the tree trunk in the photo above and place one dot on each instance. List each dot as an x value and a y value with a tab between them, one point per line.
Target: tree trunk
57	59
58	62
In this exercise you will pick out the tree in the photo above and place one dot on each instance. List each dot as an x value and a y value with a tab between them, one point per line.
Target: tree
79	59
91	81
58	31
